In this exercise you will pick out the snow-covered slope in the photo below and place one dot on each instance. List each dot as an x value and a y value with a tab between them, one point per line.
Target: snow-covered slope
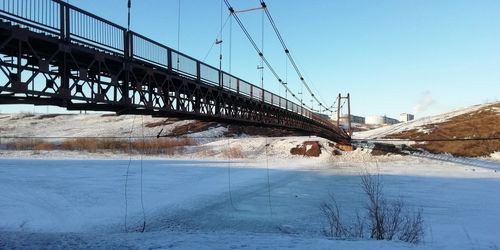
91	125
420	123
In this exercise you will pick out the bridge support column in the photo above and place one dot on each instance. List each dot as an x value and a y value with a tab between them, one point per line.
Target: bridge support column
65	73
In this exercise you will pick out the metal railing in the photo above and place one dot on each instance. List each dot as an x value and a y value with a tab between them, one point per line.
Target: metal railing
78	26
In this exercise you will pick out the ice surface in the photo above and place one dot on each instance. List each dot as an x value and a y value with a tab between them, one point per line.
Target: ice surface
81	203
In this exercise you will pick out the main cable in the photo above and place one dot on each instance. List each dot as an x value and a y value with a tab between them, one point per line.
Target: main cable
287	52
259	52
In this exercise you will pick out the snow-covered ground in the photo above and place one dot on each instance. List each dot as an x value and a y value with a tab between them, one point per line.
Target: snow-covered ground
217	204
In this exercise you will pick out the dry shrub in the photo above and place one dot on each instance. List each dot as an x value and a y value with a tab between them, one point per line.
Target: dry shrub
146	146
386	220
80	144
168	146
232	152
43	146
24	144
161	145
208	153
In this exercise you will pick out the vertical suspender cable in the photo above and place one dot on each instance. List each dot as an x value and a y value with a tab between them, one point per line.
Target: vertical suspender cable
129	6
262	50
230	44
221	35
229	173
142	199
178	31
128	170
268	178
286	76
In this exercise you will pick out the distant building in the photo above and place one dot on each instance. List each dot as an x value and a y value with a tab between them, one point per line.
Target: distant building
404	117
381	120
354	119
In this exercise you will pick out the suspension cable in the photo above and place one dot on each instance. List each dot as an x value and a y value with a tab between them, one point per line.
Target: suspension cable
178	31
259	52
287	52
230	47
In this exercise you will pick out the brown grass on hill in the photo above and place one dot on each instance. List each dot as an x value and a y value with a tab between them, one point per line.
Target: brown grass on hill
162	122
193	127
483	123
260	131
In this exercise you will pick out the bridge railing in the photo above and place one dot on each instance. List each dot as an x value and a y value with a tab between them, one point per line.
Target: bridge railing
86	28
45	15
75	25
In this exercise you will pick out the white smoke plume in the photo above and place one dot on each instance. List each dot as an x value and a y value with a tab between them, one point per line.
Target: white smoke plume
424	102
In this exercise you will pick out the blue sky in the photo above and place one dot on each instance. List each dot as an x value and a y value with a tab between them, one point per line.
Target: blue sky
393	56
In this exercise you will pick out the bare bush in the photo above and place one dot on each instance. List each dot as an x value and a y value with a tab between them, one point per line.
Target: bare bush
337	228
386	220
331	211
357	230
412	229
390	218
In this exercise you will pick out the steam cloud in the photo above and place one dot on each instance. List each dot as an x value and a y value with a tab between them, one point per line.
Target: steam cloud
424	103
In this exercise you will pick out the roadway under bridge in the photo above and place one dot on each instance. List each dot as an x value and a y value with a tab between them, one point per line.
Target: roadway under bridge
53	53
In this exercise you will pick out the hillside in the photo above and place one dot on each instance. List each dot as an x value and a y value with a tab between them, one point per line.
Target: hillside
473	124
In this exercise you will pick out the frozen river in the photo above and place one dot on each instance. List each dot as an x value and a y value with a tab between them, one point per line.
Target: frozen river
219	204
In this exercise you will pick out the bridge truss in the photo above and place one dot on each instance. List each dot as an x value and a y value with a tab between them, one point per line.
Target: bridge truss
53	53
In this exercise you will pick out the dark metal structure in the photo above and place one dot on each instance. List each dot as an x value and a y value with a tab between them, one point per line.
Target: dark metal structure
53	53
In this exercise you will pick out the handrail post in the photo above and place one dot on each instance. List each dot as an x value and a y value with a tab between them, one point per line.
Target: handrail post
126	65
126	45
221	79
67	21
198	70
131	44
62	21
169	59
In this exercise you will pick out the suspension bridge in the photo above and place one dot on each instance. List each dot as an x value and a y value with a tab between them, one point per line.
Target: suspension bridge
54	53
